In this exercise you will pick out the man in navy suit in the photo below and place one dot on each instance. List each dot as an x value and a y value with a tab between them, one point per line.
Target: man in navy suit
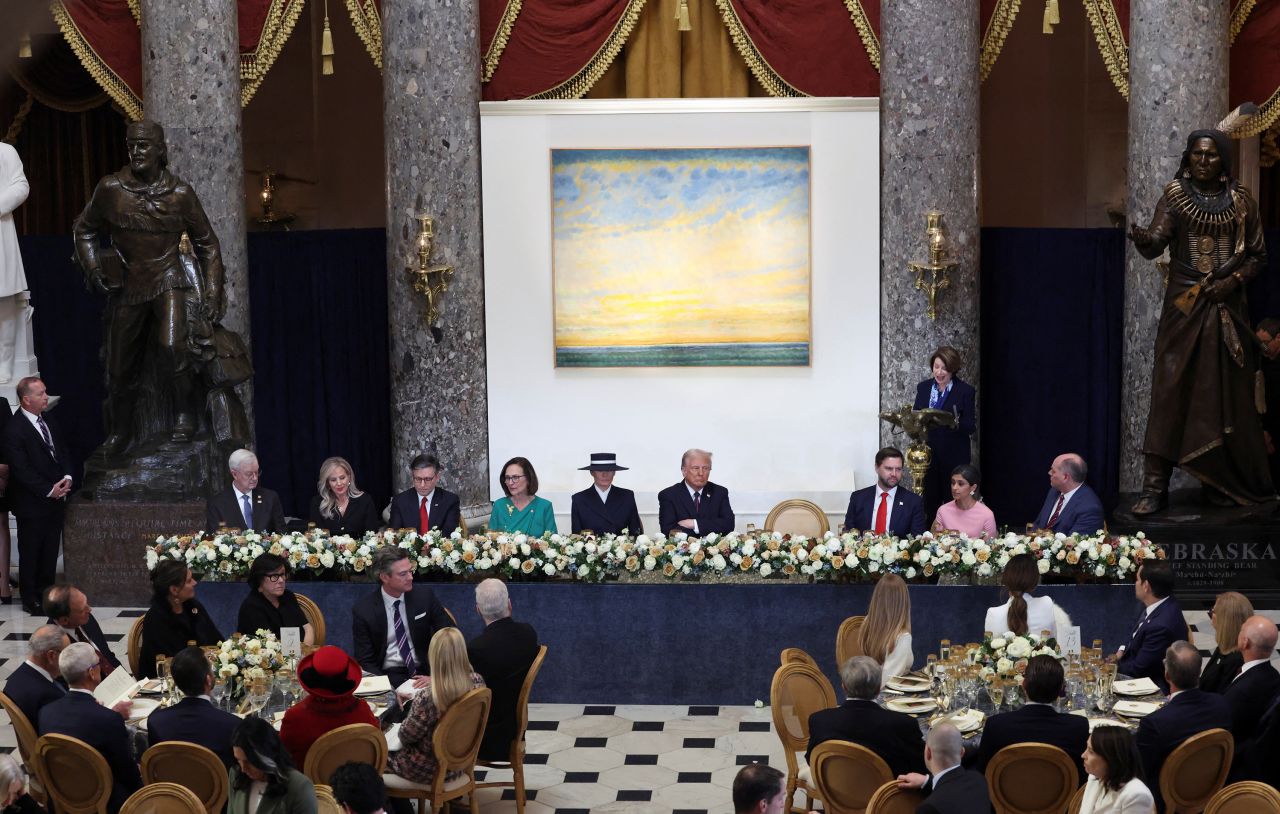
894	736
244	504
886	508
951	789
1188	712
194	719
1254	689
1037	721
1160	625
79	715
603	507
36	681
502	655
38	487
68	608
758	788
1071	507
695	506
426	506
392	626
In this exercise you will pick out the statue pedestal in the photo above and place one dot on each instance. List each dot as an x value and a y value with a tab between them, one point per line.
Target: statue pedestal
24	353
102	545
155	471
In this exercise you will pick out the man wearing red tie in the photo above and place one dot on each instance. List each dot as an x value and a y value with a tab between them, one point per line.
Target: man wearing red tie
425	506
886	508
1071	507
68	608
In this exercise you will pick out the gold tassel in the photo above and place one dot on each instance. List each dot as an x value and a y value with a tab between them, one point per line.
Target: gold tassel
326	45
24	45
682	15
1051	17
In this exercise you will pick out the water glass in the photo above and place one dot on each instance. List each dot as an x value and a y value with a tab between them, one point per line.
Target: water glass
219	693
944	650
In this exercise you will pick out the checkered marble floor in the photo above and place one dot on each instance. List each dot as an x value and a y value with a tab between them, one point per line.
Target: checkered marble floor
589	758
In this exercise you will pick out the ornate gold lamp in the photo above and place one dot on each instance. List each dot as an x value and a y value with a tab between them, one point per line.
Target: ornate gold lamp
916	424
270	218
428	280
939	266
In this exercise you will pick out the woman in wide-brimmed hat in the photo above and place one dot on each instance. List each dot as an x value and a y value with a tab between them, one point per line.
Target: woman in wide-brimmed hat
330	678
603	507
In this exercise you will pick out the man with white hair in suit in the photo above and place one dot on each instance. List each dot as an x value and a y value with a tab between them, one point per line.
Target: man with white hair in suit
243	504
502	655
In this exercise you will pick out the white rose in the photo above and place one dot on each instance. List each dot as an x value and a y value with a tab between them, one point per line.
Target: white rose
765	569
1042	566
677	561
968	558
228	670
584	571
1124	563
718	562
1019	649
326	559
1004	666
549	570
650	562
484	563
998	643
911	572
984	570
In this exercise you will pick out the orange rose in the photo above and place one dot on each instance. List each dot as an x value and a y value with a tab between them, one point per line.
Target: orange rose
928	569
773	544
983	555
788	569
668	570
698	557
746	563
633	563
527	566
468	557
1073	558
837	561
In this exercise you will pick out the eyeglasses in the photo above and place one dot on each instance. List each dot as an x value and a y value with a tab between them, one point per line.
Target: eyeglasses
431	479
281	577
512	478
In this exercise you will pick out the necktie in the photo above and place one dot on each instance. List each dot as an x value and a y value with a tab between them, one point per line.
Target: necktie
882	513
103	662
424	519
1057	510
402	640
697	501
248	512
934	396
48	439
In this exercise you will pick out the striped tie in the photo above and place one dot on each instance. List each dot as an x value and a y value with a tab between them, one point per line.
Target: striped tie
402	640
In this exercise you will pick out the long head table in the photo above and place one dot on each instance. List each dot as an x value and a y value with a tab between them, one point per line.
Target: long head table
692	643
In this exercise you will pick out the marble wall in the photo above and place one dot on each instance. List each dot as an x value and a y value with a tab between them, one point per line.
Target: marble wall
1177	84
929	161
431	88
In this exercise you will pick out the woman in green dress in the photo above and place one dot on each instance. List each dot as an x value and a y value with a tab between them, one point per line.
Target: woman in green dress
521	510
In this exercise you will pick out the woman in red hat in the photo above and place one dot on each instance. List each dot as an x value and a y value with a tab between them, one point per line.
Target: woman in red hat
330	678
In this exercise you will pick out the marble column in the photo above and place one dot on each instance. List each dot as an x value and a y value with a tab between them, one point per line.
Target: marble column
431	91
929	161
1177	84
191	81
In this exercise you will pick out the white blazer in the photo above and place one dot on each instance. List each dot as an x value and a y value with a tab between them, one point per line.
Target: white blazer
899	660
1042	614
13	191
1133	798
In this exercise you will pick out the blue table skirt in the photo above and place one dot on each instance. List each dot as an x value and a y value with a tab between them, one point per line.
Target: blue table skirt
693	643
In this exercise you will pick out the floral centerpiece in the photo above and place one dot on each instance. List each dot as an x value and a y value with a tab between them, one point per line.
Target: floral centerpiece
242	659
1006	656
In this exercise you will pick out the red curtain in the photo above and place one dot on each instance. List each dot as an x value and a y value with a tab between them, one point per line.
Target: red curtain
1255	66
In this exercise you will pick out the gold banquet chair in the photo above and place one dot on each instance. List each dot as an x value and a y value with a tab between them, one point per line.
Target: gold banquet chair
797	517
353	743
1245	797
1196	771
26	734
847	776
191	766
849	640
798	690
163	798
795	655
75	776
515	760
456	743
315	617
1077	800
326	803
135	647
1031	777
889	799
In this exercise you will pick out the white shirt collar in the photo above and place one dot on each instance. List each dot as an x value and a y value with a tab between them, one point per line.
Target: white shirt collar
428	496
1151	608
240	496
83	690
1248	665
1067	495
702	491
388	600
41	671
32	417
603	493
942	774
880	490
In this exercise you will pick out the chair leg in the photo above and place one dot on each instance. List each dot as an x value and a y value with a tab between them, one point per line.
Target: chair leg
475	802
791	793
517	774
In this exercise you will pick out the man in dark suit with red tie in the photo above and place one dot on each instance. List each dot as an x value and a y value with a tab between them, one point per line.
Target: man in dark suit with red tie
886	508
68	608
1071	507
695	506
426	506
603	507
39	482
1160	625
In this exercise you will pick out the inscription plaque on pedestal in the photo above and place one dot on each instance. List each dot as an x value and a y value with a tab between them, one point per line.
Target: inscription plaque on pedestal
103	546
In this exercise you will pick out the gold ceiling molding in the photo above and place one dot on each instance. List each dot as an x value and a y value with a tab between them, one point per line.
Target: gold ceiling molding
760	67
106	78
576	86
865	32
501	36
1239	16
998	28
1111	41
368	25
282	16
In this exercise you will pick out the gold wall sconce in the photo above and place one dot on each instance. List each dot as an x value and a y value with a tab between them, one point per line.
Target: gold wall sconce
428	280
938	268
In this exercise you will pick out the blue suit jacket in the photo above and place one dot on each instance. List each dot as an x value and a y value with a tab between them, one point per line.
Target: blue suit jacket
588	512
906	518
1144	654
1083	514
443	512
950	447
31	691
194	720
80	715
714	514
1039	724
1190	713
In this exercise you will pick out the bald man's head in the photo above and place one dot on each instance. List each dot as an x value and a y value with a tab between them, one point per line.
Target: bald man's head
1257	638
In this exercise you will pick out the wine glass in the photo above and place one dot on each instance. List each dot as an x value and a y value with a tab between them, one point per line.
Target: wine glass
995	691
931	666
944	650
259	691
219	692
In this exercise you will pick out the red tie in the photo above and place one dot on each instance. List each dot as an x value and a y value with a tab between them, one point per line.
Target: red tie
103	661
882	513
424	521
1057	510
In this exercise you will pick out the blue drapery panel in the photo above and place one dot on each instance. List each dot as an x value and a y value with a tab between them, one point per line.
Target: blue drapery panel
1052	356
318	304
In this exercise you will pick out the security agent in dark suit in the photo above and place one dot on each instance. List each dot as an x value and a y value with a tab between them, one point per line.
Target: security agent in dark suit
603	507
244	505
886	508
79	715
695	506
1188	712
1071	507
1160	625
194	719
1037	721
37	681
38	487
1258	683
894	736
951	789
502	655
68	608
426	506
383	647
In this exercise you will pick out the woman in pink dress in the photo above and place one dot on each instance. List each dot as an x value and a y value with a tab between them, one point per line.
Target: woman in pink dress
966	513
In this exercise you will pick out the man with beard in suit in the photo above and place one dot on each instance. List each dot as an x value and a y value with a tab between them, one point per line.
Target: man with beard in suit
695	506
603	507
886	508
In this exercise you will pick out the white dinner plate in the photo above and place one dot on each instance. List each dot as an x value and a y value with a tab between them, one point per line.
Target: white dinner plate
142	707
911	706
1135	687
970	721
908	684
1135	709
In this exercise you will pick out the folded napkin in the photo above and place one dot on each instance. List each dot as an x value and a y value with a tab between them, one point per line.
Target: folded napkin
1135	709
967	720
908	684
911	705
1136	686
1095	722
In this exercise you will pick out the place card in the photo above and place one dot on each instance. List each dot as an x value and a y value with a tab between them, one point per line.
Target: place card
291	642
1070	641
